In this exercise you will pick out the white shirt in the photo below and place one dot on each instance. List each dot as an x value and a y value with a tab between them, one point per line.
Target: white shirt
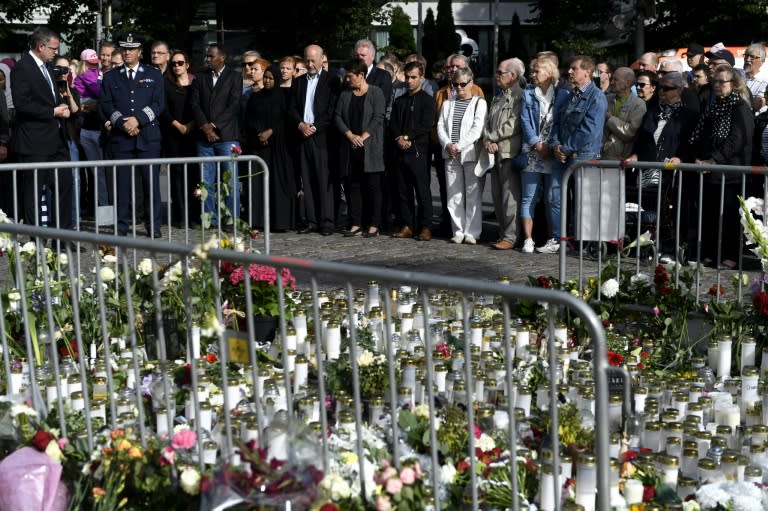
46	74
216	75
758	83
309	101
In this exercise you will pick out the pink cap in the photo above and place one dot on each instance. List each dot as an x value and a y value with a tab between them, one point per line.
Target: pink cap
89	56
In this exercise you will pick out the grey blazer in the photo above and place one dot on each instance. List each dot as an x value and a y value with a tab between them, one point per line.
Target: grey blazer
373	123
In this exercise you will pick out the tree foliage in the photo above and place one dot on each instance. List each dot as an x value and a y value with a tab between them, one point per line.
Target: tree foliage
571	27
677	23
75	20
401	41
448	40
429	39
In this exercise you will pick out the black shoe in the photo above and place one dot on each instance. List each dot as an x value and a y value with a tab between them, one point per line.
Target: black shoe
326	231
373	234
157	234
305	230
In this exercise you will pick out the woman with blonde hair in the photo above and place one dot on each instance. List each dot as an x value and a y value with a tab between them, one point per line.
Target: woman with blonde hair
536	116
459	127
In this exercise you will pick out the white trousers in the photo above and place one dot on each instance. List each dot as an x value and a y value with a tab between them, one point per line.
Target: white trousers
465	198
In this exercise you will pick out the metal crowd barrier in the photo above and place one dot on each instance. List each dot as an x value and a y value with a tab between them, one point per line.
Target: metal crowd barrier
604	181
250	169
95	343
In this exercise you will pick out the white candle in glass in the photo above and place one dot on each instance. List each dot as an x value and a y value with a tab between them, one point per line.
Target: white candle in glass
724	358
333	343
633	491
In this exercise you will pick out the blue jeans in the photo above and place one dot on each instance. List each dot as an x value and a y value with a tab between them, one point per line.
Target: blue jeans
533	190
223	148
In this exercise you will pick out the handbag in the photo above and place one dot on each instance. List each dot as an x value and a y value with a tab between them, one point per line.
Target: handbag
485	160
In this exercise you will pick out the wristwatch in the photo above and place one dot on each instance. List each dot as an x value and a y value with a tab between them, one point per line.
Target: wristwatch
405	137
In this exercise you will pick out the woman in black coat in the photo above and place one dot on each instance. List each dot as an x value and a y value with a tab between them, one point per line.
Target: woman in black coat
670	143
723	136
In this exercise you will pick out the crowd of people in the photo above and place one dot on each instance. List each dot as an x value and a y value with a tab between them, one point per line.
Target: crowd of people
350	150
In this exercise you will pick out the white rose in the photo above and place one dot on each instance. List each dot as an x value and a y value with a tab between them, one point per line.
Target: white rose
447	473
109	259
145	266
336	487
610	288
14	296
485	443
365	359
28	248
107	274
63	259
421	410
190	481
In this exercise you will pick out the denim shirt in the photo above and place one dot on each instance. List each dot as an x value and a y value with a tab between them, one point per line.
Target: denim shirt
530	110
578	123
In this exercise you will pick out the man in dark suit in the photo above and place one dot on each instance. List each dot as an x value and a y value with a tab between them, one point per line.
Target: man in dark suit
38	134
132	99
215	103
312	103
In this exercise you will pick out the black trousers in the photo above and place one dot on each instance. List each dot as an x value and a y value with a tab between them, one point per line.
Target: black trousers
150	185
414	176
59	181
316	179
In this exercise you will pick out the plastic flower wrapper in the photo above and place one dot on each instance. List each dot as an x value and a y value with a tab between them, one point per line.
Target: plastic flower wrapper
31	480
264	480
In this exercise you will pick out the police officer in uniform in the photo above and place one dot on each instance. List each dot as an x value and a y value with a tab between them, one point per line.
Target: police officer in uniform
132	100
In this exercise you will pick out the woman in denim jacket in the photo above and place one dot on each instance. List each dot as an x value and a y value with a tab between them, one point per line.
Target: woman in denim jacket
536	115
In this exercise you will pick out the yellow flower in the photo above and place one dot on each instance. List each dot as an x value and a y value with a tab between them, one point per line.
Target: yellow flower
123	445
349	458
98	491
135	453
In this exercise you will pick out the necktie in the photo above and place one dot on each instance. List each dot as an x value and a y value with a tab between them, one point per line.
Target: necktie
130	74
48	79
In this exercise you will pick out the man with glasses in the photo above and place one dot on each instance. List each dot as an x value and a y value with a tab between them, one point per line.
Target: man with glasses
757	77
38	135
502	137
160	55
603	76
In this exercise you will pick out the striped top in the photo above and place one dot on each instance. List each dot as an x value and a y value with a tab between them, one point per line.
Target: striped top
459	108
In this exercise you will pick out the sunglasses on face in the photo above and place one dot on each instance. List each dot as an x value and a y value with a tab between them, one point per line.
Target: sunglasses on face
642	85
177	63
667	88
460	84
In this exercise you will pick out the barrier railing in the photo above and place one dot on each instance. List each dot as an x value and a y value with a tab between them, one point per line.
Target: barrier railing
669	199
101	320
175	172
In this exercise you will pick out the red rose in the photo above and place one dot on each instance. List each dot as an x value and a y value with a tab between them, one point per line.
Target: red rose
665	290
41	440
462	466
649	493
615	359
329	506
760	302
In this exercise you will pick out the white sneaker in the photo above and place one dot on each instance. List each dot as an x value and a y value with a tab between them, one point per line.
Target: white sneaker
469	239
528	246
550	247
457	239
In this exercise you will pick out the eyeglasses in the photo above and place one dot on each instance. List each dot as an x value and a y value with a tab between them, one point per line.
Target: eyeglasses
667	88
251	63
499	73
460	84
177	63
641	85
757	57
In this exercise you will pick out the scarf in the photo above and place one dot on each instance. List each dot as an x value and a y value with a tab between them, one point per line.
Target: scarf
669	111
719	114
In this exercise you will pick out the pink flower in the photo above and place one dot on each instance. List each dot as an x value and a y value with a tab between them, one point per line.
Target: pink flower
382	503
198	192
63	442
385	475
394	486
656	311
184	439
168	456
407	475
236	150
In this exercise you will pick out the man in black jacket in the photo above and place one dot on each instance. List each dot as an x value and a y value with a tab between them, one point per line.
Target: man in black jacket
38	135
310	111
410	124
215	103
